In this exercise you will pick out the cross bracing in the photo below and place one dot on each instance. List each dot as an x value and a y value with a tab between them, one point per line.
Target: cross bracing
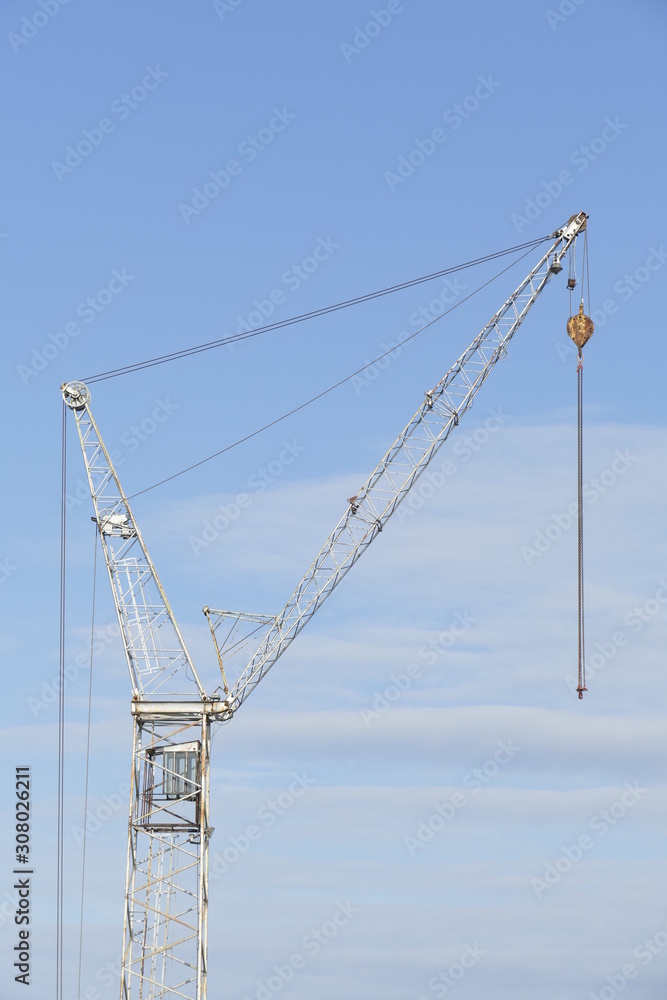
407	458
166	899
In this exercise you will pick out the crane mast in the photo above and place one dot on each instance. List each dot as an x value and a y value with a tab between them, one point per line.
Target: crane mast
166	899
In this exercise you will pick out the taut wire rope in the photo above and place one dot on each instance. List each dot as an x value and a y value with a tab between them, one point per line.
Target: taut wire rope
85	794
313	314
61	717
325	392
581	651
581	644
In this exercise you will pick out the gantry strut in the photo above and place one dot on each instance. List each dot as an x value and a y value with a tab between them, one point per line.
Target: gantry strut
166	902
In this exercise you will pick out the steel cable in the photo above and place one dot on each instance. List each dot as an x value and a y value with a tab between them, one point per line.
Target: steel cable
85	795
313	314
581	674
581	683
60	846
330	388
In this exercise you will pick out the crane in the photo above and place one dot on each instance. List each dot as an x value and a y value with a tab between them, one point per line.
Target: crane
166	900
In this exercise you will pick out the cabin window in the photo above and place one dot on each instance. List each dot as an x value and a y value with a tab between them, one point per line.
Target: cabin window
180	773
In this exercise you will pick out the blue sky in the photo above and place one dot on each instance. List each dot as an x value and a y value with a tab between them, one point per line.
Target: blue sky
305	114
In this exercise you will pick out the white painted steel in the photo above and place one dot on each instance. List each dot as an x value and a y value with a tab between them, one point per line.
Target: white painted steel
408	457
165	923
166	902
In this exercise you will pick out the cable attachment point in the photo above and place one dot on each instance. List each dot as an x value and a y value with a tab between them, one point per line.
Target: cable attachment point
75	394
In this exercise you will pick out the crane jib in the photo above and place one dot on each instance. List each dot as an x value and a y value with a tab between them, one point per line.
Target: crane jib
406	459
166	897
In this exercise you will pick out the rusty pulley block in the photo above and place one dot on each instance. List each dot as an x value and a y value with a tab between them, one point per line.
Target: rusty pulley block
580	328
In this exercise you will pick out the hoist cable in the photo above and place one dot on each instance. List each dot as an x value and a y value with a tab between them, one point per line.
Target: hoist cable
85	794
313	314
325	392
581	673
61	721
581	651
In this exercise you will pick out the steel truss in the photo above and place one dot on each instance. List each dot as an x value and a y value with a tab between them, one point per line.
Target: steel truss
374	503
166	904
166	895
